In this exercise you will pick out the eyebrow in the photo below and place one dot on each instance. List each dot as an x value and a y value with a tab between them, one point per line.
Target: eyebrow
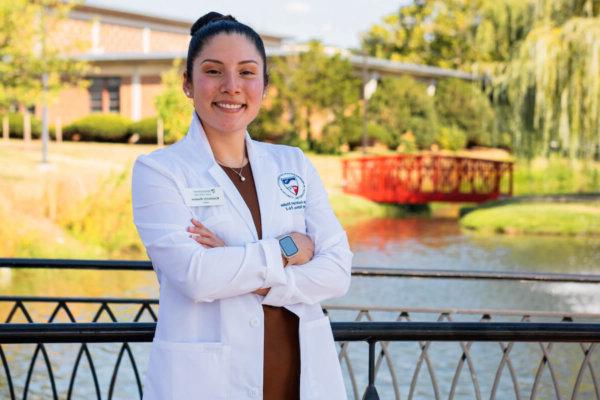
221	62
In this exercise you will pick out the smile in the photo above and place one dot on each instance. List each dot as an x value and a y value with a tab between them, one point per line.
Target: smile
229	106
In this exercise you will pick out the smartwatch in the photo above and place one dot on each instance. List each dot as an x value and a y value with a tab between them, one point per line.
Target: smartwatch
288	246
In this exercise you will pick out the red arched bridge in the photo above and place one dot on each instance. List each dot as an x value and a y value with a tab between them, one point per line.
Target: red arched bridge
421	178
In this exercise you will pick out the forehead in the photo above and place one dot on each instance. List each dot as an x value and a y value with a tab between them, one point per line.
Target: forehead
229	48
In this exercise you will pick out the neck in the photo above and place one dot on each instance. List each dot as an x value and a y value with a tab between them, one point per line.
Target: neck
229	149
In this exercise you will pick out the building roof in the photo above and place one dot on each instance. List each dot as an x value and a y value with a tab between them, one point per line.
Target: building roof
131	18
372	64
134	18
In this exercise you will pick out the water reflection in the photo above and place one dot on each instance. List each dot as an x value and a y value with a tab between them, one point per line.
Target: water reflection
441	244
403	243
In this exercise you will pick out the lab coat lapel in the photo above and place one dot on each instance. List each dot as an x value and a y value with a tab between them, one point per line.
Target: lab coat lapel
264	170
221	177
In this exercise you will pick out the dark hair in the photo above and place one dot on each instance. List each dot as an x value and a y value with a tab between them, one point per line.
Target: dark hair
214	23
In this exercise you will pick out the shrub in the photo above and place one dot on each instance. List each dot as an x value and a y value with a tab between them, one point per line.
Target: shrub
375	134
99	127
451	138
269	125
293	139
146	129
15	126
331	139
464	105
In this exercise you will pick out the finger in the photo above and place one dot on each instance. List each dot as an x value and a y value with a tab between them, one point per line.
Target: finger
206	242
195	238
197	223
199	231
211	241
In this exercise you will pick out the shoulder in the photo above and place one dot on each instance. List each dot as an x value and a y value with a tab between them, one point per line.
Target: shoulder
166	160
281	153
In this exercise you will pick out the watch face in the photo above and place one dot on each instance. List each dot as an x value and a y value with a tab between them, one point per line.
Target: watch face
288	246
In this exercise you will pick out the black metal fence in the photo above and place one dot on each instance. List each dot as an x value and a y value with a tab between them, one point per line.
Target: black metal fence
553	340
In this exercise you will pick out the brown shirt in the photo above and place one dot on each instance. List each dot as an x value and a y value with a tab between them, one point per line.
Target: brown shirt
281	370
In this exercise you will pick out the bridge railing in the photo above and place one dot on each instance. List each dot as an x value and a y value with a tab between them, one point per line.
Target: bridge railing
421	178
496	353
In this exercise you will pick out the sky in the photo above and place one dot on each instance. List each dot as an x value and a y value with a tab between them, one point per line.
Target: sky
334	22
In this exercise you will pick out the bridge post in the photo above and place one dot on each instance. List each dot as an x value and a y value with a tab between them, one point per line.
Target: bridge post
371	392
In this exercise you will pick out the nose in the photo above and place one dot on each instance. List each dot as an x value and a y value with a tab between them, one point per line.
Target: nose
230	83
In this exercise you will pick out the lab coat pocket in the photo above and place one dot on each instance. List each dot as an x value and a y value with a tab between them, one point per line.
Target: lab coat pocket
324	374
180	371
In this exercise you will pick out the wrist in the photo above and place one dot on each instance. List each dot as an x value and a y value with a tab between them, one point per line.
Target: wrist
288	248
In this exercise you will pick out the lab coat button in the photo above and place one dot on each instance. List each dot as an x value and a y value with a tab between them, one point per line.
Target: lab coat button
253	392
254	322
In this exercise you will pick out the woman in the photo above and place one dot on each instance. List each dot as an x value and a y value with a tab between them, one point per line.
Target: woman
242	239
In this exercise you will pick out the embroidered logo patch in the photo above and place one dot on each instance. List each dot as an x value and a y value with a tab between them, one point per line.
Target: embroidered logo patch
291	185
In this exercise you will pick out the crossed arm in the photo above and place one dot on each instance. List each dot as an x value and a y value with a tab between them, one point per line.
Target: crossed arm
206	238
212	271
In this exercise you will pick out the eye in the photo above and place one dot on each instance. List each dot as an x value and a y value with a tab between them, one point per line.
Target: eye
212	71
247	73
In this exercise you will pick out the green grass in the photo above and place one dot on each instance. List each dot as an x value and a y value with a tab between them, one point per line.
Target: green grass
80	206
352	209
536	218
554	176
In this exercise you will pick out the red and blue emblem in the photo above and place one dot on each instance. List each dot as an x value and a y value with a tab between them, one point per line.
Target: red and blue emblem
291	185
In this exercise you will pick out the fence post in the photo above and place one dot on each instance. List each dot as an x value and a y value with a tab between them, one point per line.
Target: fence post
58	130
160	132
5	128
26	126
371	392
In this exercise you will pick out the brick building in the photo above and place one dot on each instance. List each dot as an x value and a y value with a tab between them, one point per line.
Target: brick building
128	52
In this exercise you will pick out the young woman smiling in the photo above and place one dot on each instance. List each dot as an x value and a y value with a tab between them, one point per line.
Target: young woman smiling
243	241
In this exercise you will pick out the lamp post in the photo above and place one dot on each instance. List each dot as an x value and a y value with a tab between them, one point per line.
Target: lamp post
42	53
369	88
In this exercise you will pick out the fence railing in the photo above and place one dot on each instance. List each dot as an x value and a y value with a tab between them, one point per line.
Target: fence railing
498	353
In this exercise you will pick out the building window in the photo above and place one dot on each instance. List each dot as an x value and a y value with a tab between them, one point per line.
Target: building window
105	94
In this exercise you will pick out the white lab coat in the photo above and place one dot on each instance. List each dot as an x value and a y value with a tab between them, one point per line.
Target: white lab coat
209	336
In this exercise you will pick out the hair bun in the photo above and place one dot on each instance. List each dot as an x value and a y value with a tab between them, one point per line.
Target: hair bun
207	19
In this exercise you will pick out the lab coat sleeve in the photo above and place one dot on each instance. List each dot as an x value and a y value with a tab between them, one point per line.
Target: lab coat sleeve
204	275
328	274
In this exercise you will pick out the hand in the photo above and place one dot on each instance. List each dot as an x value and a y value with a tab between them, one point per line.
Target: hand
262	292
306	249
204	236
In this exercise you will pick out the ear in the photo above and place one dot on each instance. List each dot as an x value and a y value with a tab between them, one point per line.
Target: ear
187	86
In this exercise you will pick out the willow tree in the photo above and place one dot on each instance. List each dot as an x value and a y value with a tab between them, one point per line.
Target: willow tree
543	57
553	80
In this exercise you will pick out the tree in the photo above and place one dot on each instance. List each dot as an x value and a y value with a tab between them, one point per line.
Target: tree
542	56
463	105
402	105
468	34
269	124
28	51
553	81
173	107
314	80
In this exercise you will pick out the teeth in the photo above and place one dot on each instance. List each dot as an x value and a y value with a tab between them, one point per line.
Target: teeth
230	106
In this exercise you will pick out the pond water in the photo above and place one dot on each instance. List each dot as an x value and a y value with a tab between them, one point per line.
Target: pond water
426	243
